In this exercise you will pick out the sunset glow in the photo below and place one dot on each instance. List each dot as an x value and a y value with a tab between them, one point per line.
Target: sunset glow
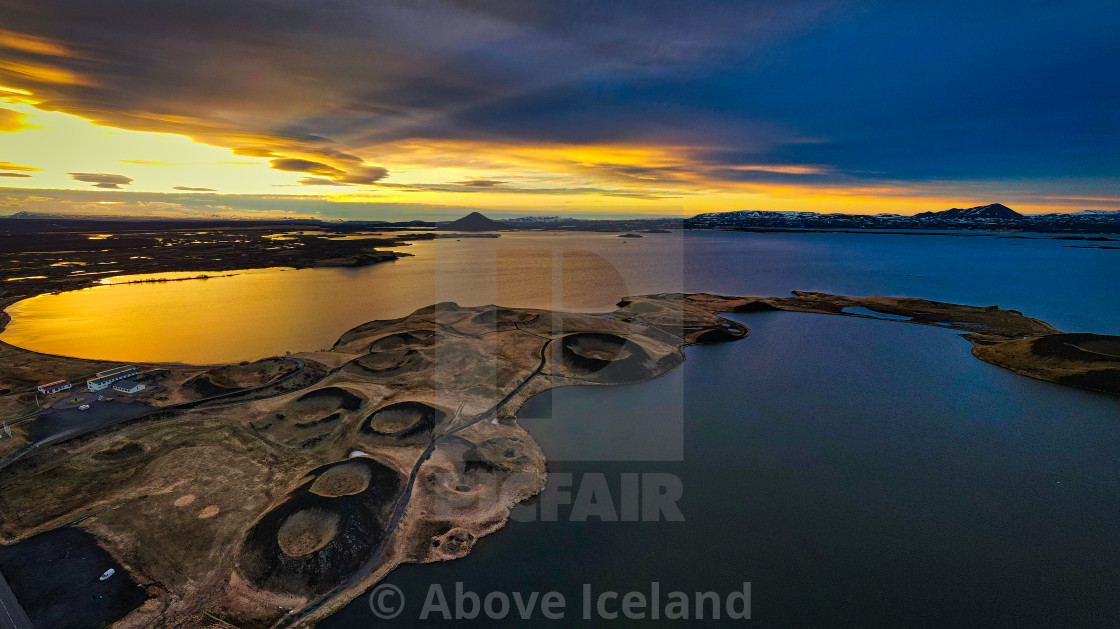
353	122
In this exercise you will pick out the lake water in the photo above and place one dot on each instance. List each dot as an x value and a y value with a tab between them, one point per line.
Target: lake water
267	312
856	472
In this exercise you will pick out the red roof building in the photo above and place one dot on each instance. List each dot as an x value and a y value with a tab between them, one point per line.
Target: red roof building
53	387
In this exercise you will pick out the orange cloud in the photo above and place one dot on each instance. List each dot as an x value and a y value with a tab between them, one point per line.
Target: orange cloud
43	73
11	166
32	44
11	121
255	152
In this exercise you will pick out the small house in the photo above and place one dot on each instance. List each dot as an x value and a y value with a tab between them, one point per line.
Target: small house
54	387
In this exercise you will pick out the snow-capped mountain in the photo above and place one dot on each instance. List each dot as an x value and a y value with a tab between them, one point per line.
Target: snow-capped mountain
992	216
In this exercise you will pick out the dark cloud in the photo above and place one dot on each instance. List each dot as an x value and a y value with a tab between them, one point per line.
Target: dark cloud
362	175
305	166
320	181
380	70
190	189
14	175
254	152
869	90
102	180
480	183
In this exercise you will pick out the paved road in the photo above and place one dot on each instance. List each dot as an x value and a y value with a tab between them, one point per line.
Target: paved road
54	425
65	421
12	615
68	421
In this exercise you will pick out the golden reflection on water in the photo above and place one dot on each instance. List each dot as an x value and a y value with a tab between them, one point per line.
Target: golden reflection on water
266	312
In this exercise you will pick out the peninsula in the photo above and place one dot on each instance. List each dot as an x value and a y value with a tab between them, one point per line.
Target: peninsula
272	493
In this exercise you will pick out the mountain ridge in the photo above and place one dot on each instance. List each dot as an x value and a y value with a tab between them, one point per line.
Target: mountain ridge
990	216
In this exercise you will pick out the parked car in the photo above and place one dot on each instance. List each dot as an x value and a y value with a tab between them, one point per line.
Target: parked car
108	399
83	407
100	397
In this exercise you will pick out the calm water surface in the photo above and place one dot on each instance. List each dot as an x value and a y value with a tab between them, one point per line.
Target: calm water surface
267	312
857	473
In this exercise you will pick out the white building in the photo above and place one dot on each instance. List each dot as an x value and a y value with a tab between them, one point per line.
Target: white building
105	378
128	386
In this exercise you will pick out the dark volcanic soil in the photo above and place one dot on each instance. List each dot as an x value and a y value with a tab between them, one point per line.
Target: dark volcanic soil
55	577
55	255
311	542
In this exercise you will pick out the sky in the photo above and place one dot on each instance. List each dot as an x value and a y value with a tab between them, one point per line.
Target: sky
429	109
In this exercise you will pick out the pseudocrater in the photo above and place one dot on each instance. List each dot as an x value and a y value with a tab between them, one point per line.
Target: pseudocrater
326	400
324	530
604	356
402	419
385	362
307	531
503	315
413	339
120	451
724	333
345	479
310	419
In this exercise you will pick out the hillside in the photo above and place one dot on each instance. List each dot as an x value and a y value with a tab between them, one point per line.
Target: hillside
473	222
994	211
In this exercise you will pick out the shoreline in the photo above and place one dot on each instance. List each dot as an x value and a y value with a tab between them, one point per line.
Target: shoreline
447	433
54	251
165	465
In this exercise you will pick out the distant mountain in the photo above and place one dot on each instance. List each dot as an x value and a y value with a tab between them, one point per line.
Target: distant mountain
38	215
520	220
994	211
135	218
45	216
993	216
473	222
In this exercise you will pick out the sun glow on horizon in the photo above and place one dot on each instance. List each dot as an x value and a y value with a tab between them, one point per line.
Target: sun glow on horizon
54	150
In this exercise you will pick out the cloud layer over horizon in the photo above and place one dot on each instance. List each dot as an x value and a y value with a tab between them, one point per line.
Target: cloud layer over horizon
661	102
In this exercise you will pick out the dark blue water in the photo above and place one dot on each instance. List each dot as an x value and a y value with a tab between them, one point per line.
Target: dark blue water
236	318
1071	288
857	473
